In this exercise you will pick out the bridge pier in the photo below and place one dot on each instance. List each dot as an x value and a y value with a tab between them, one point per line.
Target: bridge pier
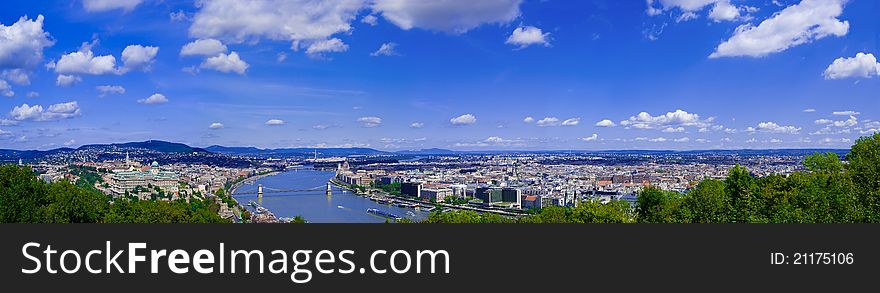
260	194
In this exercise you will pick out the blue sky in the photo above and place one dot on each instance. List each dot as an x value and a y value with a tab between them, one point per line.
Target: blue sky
397	74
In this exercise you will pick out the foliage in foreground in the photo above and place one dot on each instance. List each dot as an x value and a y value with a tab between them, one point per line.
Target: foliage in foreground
831	191
26	199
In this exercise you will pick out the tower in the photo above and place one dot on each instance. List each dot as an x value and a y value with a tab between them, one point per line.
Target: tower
260	194
329	190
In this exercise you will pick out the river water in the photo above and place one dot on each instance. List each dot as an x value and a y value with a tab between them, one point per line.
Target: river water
315	206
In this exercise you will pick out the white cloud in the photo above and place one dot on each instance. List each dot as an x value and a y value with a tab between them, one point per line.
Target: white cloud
683	139
809	110
798	24
226	63
334	45
107	5
529	119
548	121
154	99
137	57
67	80
593	137
571	122
370	19
70	142
606	123
216	125
177	15
203	47
234	21
861	66
16	75
85	62
370	121
845	113
22	44
387	49
5	89
674	130
829	140
722	10
275	122
110	90
33	94
525	36
417	125
451	16
772	127
37	113
465	119
659	139
644	120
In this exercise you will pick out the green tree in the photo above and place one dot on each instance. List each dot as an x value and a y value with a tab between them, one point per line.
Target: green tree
864	169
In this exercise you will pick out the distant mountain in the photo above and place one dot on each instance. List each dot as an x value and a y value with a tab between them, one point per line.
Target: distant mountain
432	151
294	151
154	145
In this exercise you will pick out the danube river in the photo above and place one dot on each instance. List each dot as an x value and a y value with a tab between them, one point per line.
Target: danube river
315	206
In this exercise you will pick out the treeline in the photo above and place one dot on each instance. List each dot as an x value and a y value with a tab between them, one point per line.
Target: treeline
26	199
830	191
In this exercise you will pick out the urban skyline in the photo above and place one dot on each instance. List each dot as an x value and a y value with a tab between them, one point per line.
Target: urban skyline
397	75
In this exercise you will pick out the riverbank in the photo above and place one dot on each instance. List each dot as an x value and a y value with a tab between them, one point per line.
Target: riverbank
421	202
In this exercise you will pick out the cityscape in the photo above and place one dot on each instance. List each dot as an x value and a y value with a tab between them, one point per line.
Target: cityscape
507	183
452	111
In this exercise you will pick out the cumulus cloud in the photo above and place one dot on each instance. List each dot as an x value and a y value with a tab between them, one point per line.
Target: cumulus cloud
571	122
154	99
84	61
370	121
593	137
21	49
795	25
809	110
216	125
37	113
296	21
772	127
417	125
525	36
387	49
110	90
22	44
67	80
370	19
722	10
606	123
226	63
644	120
334	45
548	121
275	122
137	57
529	119
33	94
5	89
107	5
861	66
451	16
465	119
203	47
675	129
